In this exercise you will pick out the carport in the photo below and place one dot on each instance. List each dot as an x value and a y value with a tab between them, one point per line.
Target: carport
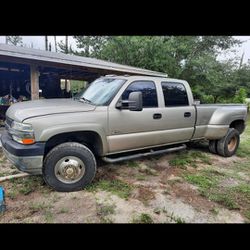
21	67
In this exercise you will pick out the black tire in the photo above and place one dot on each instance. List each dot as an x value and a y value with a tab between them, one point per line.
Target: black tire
64	150
213	146
228	145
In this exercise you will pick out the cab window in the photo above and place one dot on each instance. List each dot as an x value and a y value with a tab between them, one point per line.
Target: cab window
175	94
148	89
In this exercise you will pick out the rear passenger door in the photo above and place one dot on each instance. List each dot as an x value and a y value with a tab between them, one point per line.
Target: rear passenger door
178	115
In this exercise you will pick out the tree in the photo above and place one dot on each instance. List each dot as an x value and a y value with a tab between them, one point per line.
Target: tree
193	58
90	46
240	96
241	78
14	40
64	48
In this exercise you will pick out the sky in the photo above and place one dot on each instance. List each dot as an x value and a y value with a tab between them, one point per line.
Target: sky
38	42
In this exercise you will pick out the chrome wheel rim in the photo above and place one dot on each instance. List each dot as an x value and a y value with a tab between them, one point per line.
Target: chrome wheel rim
232	144
69	169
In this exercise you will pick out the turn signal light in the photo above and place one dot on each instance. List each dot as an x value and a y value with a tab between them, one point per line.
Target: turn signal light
28	141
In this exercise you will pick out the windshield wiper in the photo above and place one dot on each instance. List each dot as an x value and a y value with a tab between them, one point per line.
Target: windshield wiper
86	100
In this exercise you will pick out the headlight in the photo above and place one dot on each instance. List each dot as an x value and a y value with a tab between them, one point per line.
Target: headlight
22	133
21	126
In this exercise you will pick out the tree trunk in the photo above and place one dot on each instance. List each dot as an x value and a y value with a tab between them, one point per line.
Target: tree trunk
216	99
66	44
55	43
46	42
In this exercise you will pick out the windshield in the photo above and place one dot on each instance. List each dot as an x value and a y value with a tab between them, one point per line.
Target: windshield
101	91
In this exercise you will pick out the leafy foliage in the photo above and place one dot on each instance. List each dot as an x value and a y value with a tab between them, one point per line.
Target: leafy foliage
193	58
240	96
14	40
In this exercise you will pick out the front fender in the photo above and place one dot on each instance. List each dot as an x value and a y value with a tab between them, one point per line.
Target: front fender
49	132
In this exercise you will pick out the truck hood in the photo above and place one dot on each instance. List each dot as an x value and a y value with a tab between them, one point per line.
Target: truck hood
24	110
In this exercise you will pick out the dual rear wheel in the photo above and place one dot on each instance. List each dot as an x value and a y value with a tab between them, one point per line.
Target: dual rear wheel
226	146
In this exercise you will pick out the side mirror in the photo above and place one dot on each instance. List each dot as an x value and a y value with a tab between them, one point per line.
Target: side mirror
134	102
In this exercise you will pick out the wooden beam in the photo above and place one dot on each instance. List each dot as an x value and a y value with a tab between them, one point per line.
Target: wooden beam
34	79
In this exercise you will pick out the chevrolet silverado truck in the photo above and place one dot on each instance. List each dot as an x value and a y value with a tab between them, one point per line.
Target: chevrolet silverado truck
116	118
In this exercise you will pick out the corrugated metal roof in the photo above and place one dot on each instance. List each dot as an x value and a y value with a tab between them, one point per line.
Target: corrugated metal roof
65	59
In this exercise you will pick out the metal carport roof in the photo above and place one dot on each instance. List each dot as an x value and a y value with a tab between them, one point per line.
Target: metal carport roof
53	59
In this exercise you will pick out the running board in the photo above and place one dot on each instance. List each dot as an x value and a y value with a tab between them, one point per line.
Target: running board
135	156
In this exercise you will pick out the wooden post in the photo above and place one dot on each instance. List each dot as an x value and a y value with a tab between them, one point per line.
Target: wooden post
34	79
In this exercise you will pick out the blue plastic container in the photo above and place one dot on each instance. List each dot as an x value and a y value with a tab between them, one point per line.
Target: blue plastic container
2	200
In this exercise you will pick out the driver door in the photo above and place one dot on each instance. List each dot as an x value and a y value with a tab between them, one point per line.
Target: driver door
130	130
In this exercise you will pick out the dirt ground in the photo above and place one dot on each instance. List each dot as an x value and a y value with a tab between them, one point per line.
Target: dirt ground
192	186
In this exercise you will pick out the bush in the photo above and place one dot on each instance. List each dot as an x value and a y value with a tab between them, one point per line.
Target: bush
207	99
240	96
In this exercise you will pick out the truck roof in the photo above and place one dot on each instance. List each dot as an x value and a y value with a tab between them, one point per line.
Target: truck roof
140	77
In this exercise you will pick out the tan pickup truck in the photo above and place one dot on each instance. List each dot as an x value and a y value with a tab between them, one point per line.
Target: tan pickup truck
117	118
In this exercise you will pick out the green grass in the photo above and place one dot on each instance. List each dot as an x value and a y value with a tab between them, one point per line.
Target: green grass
12	194
117	187
215	211
49	218
104	211
244	189
39	206
225	199
143	219
63	210
244	148
202	181
208	183
185	158
27	185
132	164
174	218
247	214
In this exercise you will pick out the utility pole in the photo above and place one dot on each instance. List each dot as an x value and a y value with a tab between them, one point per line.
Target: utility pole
55	43
46	42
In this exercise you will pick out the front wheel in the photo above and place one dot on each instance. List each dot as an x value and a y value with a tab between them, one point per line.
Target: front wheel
69	167
228	145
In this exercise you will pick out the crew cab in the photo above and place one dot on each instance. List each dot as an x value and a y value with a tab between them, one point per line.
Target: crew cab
116	118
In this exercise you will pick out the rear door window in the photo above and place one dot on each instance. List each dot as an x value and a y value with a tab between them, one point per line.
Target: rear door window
175	94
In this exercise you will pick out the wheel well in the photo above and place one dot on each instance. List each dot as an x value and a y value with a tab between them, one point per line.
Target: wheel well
88	138
238	125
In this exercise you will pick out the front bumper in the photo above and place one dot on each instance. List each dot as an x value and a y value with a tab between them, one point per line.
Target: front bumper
27	158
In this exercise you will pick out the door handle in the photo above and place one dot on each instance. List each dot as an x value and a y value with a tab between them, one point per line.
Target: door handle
157	116
187	114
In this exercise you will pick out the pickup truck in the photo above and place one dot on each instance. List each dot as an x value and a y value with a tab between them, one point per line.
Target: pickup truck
116	118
